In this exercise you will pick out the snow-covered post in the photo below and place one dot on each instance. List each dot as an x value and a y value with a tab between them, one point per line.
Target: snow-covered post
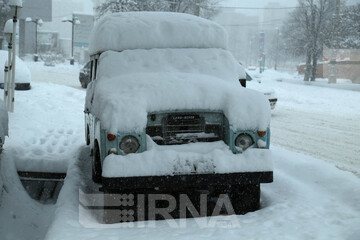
15	5
6	70
8	32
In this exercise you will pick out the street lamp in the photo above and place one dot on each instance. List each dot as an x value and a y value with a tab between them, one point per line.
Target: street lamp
74	21
38	22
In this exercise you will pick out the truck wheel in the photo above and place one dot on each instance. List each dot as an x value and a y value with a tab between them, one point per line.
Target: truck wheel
245	198
96	165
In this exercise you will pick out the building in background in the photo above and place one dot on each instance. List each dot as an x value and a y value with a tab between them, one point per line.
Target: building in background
55	35
347	64
82	36
65	9
41	9
243	33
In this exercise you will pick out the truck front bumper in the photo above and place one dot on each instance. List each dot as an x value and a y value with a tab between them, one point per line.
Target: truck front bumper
192	181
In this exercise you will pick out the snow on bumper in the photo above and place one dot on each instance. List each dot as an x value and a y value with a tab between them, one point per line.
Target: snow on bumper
195	158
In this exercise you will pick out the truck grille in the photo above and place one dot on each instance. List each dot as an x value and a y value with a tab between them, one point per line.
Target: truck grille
184	128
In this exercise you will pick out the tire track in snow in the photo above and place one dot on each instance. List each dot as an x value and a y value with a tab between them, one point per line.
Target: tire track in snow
335	139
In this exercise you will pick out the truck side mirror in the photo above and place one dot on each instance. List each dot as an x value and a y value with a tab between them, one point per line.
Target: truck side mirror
243	82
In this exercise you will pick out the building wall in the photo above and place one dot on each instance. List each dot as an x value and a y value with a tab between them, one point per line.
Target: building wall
34	9
345	69
347	64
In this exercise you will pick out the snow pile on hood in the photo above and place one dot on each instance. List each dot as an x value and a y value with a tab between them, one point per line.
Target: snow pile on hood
146	30
22	72
130	84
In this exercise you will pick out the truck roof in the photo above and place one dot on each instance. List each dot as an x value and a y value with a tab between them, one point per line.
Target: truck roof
147	30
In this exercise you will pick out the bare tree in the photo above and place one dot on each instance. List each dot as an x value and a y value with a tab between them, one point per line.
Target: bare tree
203	8
348	35
308	28
115	6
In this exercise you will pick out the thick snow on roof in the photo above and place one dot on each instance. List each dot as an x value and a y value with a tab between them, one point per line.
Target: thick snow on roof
146	30
132	83
15	3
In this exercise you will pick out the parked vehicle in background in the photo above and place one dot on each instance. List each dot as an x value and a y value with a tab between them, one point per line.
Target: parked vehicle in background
165	113
268	92
22	74
4	120
84	75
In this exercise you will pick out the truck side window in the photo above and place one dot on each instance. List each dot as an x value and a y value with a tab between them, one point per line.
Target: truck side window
91	70
95	68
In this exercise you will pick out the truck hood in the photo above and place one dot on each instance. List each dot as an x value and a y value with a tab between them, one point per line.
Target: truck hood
124	107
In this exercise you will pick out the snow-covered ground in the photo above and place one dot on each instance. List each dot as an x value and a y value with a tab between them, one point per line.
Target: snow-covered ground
320	121
310	198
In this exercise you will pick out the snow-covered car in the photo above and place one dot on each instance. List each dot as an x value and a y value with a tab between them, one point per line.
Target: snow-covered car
3	124
164	110
22	72
268	92
84	75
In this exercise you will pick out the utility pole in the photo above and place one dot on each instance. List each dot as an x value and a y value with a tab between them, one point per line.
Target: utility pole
261	50
277	48
197	8
334	45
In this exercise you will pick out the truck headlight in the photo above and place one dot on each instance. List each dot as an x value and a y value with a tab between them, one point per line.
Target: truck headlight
243	142
129	144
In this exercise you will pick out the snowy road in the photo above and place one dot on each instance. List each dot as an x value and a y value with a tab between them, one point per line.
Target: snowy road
320	121
309	199
335	139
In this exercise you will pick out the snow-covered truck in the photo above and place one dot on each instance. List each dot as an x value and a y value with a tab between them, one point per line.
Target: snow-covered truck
165	111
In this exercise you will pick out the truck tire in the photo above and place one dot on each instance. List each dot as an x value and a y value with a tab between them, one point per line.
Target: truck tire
245	198
96	165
